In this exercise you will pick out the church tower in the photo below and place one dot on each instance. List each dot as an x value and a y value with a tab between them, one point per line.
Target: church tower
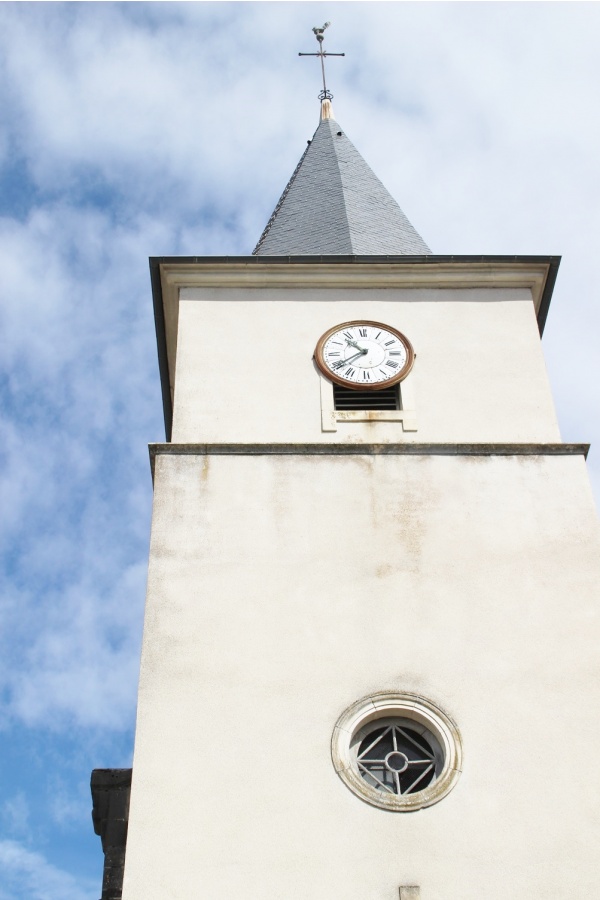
371	619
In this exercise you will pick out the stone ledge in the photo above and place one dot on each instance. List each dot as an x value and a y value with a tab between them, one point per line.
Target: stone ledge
326	449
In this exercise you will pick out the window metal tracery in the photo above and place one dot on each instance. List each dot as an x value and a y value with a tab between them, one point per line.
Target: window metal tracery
396	759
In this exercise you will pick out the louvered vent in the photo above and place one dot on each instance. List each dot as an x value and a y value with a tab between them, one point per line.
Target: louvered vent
386	398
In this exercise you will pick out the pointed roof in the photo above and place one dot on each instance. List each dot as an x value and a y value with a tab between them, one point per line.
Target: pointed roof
335	204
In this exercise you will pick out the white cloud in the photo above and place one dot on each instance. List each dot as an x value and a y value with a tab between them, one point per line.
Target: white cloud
80	663
80	385
27	875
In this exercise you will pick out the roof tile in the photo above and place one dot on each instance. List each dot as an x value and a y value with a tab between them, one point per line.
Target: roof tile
335	204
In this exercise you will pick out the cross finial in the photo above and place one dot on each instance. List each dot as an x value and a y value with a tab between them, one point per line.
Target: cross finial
319	34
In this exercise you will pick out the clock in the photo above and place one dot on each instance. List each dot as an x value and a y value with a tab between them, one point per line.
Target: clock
364	356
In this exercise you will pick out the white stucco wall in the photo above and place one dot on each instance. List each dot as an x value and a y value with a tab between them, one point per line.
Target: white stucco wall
283	589
244	369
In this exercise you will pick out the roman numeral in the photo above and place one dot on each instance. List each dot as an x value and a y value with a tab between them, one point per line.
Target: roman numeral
362	332
392	364
366	375
349	335
377	335
395	352
349	372
387	343
333	353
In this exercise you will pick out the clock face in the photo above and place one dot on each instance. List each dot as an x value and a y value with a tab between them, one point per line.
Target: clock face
364	355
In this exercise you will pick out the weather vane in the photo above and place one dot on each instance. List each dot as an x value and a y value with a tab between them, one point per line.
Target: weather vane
318	33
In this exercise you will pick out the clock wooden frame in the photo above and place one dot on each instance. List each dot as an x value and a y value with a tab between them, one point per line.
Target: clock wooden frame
395	379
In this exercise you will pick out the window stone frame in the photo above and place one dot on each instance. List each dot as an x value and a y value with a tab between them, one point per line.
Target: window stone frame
385	705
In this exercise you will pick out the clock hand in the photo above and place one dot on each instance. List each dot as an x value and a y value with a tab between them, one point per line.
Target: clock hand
343	362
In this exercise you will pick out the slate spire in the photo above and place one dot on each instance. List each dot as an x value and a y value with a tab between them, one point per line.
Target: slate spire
335	205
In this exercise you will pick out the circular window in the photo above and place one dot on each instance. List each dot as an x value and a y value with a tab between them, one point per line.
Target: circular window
397	751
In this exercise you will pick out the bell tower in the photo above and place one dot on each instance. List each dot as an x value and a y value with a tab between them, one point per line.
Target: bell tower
372	613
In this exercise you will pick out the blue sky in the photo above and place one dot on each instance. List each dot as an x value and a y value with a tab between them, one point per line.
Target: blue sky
133	130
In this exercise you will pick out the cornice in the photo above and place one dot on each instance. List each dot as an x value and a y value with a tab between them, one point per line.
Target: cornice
408	449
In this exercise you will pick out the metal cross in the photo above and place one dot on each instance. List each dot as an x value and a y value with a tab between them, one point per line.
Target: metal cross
318	33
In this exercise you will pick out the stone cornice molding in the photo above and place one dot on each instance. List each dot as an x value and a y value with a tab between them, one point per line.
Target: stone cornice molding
326	449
